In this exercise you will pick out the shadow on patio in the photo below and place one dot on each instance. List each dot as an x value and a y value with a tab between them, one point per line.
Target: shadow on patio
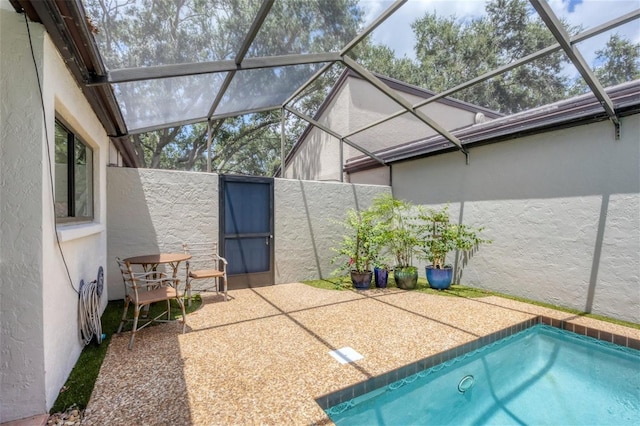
263	356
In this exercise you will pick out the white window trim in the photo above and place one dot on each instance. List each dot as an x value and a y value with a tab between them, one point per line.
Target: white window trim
78	230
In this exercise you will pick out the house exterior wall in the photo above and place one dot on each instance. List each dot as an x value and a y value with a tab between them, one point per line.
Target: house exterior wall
318	159
377	176
563	210
356	104
367	105
152	211
22	384
39	315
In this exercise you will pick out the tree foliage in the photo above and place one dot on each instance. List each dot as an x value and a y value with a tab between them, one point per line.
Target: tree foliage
159	32
448	52
617	62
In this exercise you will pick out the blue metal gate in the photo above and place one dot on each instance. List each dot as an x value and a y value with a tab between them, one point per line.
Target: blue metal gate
246	229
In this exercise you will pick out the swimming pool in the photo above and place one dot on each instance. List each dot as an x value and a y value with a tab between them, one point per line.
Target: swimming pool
541	375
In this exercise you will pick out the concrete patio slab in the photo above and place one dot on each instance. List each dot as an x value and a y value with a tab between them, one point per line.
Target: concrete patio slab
262	357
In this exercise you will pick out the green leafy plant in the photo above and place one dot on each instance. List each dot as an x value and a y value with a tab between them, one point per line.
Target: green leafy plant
361	244
397	219
439	237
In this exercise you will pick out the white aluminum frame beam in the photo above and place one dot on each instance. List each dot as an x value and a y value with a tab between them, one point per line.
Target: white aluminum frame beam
203	119
529	58
379	20
357	39
308	83
334	134
125	75
242	52
380	85
555	26
390	10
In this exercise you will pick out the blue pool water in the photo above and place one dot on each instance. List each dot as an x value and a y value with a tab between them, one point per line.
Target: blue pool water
541	376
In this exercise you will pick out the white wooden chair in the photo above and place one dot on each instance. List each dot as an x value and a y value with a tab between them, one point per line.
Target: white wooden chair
142	289
205	263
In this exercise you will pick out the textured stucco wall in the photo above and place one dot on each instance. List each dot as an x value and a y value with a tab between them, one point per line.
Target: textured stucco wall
152	211
39	304
368	105
84	245
305	231
317	159
22	382
563	209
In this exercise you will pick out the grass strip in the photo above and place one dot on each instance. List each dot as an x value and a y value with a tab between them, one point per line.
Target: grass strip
344	283
78	387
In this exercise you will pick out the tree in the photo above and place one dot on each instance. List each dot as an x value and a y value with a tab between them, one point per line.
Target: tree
617	62
133	33
620	61
450	52
382	60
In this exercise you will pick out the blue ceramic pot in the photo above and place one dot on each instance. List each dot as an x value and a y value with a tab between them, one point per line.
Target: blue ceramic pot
381	275
439	278
361	280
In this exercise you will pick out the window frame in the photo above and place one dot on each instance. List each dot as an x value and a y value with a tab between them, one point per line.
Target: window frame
73	139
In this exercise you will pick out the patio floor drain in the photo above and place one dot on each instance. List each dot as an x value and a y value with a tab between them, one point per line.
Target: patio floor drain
345	355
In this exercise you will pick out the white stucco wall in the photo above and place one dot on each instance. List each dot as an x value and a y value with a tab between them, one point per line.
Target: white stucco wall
39	304
305	228
563	209
317	159
22	385
153	211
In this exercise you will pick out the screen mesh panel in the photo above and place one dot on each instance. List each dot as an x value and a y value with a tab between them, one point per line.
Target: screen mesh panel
168	100
148	33
267	87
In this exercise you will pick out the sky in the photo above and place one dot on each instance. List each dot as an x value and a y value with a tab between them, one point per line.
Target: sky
396	31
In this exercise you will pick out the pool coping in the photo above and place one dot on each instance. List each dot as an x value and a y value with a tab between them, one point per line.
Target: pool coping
361	388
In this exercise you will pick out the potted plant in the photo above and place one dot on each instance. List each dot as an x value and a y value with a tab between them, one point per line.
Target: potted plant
359	247
439	237
381	273
397	218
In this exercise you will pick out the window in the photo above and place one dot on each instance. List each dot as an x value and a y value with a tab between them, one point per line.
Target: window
73	177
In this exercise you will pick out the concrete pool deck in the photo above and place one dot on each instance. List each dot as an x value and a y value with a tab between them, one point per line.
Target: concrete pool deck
263	356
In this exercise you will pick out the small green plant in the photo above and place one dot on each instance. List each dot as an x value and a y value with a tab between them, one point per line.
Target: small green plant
439	237
361	243
398	224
